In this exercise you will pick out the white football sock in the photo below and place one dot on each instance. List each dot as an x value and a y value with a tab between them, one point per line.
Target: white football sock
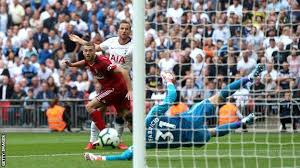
94	132
120	129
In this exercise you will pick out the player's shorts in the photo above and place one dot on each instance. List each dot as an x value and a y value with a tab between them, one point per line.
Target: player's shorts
114	97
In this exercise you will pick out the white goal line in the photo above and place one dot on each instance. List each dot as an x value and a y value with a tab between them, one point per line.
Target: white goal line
153	153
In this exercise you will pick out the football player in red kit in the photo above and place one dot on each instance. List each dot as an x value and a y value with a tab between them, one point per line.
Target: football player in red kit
115	81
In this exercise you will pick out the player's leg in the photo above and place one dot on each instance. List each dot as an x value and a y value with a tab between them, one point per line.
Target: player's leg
119	125
232	87
93	136
226	128
93	108
126	155
94	132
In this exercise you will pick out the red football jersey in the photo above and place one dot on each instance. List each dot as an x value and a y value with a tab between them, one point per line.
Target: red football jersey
102	70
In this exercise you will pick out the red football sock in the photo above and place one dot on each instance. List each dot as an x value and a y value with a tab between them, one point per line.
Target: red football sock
98	119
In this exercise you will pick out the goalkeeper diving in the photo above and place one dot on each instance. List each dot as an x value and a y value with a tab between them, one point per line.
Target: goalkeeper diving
188	128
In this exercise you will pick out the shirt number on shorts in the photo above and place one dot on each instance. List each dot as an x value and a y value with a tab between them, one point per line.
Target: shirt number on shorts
167	136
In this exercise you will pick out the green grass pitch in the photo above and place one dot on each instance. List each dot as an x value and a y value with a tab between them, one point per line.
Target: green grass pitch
64	150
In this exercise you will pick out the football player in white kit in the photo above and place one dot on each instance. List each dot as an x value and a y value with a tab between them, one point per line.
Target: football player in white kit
119	50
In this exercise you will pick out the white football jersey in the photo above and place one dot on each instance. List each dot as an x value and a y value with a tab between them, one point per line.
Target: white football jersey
118	54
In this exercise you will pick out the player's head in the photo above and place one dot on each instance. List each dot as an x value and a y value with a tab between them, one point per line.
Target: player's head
89	51
124	29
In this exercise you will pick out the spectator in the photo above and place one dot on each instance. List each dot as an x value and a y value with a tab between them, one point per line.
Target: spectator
289	112
4	19
158	94
53	38
271	71
70	47
270	84
45	53
175	13
235	8
63	92
198	65
294	62
28	70
30	50
284	77
16	113
80	84
221	33
35	21
166	63
152	81
35	83
29	108
6	90
24	32
52	86
189	91
241	97
50	22
39	38
245	64
74	93
270	50
3	70
280	56
34	61
17	12
78	24
45	94
16	70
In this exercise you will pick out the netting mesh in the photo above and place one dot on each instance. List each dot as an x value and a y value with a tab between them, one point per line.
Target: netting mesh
209	44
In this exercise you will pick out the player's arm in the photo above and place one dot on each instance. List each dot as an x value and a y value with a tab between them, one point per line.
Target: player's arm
171	89
75	64
79	40
170	98
126	77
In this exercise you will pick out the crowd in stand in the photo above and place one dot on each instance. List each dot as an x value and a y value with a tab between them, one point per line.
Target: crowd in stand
206	43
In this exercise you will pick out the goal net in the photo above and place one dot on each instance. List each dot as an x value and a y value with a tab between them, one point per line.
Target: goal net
209	43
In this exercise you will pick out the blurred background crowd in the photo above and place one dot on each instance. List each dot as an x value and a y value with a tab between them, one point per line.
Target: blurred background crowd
206	43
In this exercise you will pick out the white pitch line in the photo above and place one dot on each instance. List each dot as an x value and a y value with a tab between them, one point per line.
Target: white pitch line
56	154
152	153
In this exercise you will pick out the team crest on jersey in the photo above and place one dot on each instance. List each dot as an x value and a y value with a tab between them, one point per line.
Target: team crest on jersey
98	75
110	67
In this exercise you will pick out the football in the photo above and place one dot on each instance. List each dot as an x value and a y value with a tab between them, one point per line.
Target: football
109	137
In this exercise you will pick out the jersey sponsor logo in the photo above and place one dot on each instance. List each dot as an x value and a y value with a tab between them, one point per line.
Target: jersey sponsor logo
118	59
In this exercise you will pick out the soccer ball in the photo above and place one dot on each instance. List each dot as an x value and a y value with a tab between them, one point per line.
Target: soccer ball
109	137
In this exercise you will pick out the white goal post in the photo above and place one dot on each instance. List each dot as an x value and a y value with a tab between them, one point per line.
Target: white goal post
138	84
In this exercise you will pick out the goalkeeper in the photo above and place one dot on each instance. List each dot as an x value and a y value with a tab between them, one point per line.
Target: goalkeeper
188	128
